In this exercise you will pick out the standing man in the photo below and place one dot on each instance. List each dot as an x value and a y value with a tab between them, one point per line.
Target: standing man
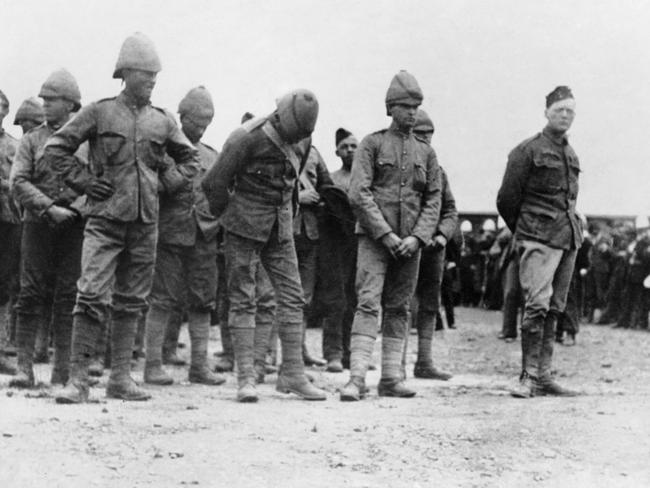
186	258
395	194
252	189
9	236
51	238
128	142
537	200
338	263
432	266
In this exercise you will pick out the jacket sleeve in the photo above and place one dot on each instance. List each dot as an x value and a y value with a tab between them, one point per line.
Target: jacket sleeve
427	220
362	201
448	212
220	177
510	194
183	162
22	172
59	151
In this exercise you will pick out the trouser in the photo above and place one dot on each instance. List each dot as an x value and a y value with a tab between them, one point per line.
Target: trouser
427	291
10	237
447	293
545	274
307	254
50	267
512	299
569	320
338	257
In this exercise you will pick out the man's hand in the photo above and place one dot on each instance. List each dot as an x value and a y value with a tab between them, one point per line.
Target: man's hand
60	215
100	189
439	241
308	197
392	242
408	247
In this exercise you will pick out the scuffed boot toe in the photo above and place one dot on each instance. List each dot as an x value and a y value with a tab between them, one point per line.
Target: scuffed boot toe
301	386
204	376
430	372
397	389
126	390
247	393
72	393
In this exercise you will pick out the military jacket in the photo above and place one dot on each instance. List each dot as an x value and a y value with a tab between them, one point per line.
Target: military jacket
35	184
8	210
305	221
537	198
186	212
128	145
251	187
395	186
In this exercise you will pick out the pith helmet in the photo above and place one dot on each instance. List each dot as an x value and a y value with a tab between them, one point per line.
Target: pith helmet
423	122
30	109
62	84
137	52
466	226
197	102
404	88
297	114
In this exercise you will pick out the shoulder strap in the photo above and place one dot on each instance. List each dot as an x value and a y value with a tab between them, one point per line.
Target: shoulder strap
286	149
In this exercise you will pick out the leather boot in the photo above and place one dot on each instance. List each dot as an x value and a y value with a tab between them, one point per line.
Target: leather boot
243	342
263	331
41	348
291	378
62	339
26	330
545	384
531	347
354	390
5	365
310	360
199	328
429	371
391	383
226	361
424	367
120	384
85	334
155	327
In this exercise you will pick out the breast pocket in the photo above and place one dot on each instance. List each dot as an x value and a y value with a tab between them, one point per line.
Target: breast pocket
548	174
111	145
155	149
419	176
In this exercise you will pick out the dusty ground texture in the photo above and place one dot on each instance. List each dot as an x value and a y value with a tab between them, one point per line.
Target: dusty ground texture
465	432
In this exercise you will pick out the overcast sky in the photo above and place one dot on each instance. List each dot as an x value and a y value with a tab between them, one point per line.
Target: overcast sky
484	66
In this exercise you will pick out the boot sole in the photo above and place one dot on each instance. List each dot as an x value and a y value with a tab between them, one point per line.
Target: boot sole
128	398
350	398
302	395
206	382
248	399
159	382
396	395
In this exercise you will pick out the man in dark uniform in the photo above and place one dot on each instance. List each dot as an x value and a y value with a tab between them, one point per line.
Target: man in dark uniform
186	257
338	258
251	188
432	264
537	200
129	139
395	194
9	237
51	238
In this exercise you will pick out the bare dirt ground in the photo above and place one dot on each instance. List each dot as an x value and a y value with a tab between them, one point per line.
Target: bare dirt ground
466	432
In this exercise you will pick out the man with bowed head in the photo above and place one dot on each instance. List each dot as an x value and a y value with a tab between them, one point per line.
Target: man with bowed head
129	140
537	200
395	194
252	189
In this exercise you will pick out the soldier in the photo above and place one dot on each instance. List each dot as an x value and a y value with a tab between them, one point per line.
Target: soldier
51	238
537	200
261	168
395	194
313	177
186	257
338	258
128	141
30	114
9	236
432	264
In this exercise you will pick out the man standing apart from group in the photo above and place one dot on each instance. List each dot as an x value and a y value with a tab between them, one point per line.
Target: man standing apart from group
537	200
129	139
395	194
252	189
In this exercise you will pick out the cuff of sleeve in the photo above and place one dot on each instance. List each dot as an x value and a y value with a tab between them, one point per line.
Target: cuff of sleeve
45	206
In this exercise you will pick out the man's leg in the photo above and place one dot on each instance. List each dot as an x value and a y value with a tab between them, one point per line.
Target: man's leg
102	244
36	271
133	281
279	260
511	299
372	261
264	321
